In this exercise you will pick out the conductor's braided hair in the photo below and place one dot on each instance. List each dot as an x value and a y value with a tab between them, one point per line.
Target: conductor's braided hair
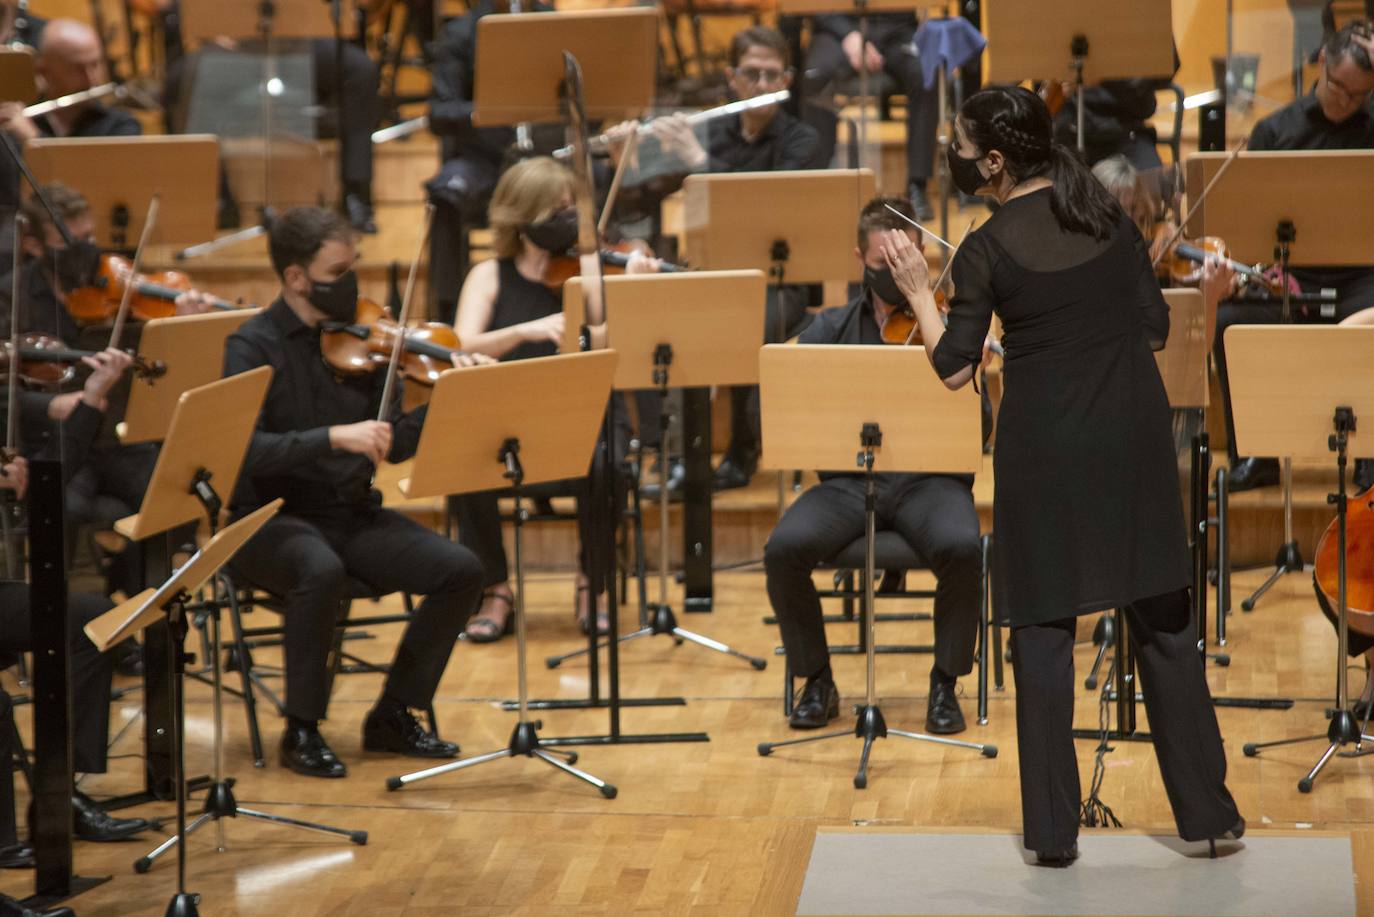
1015	122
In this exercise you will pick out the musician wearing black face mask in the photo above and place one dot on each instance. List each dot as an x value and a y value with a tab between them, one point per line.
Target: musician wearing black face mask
317	446
934	513
507	311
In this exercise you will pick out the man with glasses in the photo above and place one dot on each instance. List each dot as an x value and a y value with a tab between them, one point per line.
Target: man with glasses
1335	115
764	139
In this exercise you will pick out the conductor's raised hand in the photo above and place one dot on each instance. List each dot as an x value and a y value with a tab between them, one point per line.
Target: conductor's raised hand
370	438
907	263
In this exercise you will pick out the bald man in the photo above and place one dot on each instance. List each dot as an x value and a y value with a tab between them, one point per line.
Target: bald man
70	59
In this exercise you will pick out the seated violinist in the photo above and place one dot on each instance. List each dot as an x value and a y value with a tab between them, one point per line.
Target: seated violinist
1142	203
933	512
507	311
317	446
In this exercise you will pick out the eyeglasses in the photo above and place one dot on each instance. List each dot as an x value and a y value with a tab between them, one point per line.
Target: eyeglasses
759	76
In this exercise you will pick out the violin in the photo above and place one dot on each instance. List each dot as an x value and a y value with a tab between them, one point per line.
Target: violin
1359	571
1182	263
366	344
901	327
153	295
614	259
46	363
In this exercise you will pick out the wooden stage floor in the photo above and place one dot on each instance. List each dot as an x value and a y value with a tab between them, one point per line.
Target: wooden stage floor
697	828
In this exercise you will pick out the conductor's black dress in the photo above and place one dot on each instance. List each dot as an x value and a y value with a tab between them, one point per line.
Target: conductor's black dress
1087	511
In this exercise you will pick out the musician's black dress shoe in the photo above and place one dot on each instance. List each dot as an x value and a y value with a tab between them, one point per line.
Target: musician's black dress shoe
1057	859
677	473
818	703
9	907
16	856
92	823
359	213
397	730
305	751
1247	474
943	716
731	474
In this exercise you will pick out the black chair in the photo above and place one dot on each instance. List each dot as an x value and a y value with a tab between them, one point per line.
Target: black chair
893	555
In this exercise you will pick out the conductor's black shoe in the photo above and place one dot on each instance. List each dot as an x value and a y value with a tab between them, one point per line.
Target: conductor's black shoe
943	716
305	751
1057	859
730	475
817	704
16	856
1250	473
359	213
400	732
92	823
1364	474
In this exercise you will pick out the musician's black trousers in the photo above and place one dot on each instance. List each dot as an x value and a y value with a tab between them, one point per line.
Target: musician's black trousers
936	516
825	60
89	669
309	563
1355	291
1184	726
459	193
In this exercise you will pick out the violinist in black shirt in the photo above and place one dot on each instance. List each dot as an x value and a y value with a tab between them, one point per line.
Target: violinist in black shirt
933	512
1336	115
317	445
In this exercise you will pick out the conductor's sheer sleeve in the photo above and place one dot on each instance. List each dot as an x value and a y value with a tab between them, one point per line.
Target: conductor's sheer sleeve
970	311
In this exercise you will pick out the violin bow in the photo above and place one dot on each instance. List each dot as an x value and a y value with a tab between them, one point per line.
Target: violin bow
1194	205
148	222
631	144
398	345
12	419
939	281
588	242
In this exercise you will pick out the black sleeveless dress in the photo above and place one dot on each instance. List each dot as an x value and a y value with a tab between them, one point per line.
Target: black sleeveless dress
1087	511
519	300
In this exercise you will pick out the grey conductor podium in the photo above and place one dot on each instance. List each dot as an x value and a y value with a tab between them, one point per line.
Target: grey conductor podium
1277	207
521	423
823	405
1300	391
192	349
688	330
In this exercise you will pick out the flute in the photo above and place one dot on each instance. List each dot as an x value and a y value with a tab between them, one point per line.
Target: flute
74	98
601	142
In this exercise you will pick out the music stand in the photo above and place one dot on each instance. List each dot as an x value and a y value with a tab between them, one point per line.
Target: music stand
16	76
1281	405
167	603
1116	39
192	348
519	71
119	175
1280	204
701	327
525	422
819	402
268	22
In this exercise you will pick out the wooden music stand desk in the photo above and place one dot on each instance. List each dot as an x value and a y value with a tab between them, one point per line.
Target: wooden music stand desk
16	76
732	221
520	64
119	175
192	347
710	319
1030	39
209	432
206	20
1314	190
